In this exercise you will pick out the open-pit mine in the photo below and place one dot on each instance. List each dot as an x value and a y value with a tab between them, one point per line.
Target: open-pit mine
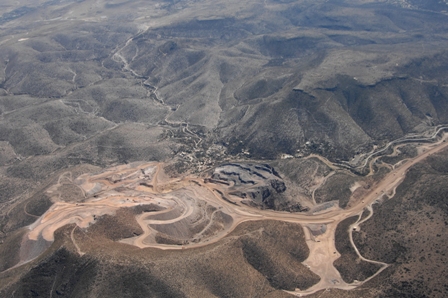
193	211
225	148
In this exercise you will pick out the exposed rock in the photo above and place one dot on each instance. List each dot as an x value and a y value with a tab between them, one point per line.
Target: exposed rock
258	184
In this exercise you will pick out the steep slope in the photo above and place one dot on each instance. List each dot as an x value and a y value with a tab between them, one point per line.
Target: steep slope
89	84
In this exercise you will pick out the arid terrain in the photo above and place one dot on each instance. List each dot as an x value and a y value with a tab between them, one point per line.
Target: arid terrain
223	148
190	212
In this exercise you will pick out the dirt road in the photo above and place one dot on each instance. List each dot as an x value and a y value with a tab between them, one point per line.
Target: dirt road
145	183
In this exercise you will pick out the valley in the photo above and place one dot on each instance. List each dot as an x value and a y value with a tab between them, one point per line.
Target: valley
223	148
189	212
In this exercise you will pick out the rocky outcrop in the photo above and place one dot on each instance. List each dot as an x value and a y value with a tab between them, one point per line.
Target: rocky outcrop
256	185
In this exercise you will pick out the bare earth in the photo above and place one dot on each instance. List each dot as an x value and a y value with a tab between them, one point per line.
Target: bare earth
186	202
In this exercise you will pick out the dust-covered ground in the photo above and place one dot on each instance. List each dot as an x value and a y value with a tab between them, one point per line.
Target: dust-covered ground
332	96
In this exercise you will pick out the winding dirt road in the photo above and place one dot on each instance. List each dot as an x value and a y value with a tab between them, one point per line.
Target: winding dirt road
145	183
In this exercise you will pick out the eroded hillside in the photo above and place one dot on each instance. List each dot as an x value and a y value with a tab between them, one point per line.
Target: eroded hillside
269	125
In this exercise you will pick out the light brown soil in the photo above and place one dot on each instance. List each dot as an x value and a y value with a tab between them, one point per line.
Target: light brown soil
140	184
